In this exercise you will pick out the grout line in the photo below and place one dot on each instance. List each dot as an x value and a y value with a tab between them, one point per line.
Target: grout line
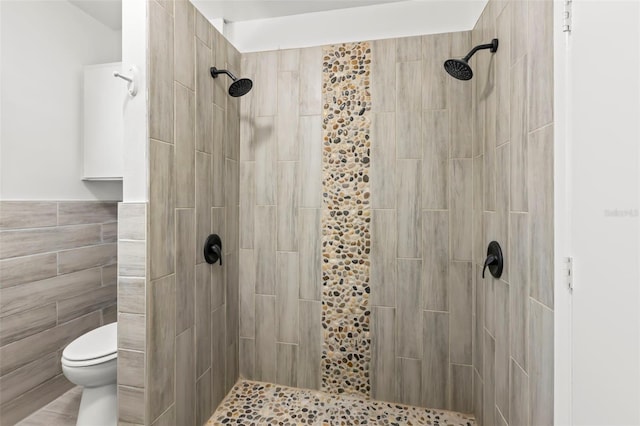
161	141
383	306
45	228
544	126
500	412
461	365
541	304
486	330
150	280
437	312
179	83
479	375
136	350
409	358
518	364
265	295
168	408
299	299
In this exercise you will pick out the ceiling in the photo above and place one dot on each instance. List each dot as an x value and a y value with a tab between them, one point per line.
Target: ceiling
109	12
245	10
261	22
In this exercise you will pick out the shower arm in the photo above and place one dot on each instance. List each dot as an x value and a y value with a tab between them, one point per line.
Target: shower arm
493	46
215	71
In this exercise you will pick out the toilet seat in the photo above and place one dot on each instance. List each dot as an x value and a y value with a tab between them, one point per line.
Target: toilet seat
95	347
89	362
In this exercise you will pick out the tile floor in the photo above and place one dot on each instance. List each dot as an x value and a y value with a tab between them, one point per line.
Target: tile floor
255	403
60	412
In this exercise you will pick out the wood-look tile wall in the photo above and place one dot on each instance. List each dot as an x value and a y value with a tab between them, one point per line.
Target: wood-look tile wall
454	165
132	311
421	241
280	206
421	192
58	273
189	347
513	204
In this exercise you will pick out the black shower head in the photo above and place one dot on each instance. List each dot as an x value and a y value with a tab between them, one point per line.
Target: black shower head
239	87
460	68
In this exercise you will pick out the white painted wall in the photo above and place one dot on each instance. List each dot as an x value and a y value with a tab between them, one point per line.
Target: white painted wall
562	299
382	21
45	44
599	136
134	53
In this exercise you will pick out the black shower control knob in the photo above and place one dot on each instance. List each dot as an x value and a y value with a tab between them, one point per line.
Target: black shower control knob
213	249
494	260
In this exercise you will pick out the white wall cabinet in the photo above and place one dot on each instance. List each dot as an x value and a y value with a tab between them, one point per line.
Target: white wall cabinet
104	98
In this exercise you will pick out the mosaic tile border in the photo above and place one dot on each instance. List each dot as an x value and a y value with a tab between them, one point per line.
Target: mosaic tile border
256	403
346	216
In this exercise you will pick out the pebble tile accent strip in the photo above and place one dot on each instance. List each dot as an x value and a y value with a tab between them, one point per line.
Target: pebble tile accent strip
346	216
255	403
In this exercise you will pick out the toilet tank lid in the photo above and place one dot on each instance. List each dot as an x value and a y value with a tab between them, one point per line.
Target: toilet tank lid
96	343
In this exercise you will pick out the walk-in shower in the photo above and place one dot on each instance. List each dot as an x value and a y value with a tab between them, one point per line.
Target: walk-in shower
460	68
239	87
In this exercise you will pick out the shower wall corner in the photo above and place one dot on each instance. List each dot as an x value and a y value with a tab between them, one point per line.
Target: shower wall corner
178	339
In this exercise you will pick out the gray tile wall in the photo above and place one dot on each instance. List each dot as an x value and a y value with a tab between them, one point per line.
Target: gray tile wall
280	235
191	337
422	199
454	165
513	204
132	311
58	273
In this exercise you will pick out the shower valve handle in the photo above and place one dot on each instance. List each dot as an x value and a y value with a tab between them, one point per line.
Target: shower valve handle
494	261
491	260
216	250
213	249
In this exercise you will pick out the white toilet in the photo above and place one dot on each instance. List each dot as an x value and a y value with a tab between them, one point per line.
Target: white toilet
90	361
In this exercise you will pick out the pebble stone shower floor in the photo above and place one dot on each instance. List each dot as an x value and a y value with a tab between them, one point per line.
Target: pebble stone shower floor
256	403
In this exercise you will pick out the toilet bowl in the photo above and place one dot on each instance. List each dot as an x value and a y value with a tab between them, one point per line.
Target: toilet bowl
90	361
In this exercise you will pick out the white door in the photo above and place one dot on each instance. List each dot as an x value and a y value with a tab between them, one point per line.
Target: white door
598	369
